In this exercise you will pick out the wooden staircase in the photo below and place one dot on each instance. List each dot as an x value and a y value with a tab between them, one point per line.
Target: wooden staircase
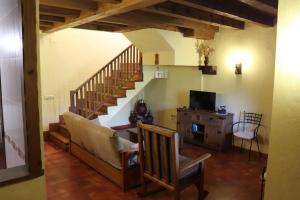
102	90
94	96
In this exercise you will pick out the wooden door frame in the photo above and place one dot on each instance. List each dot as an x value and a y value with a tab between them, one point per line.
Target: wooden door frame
33	168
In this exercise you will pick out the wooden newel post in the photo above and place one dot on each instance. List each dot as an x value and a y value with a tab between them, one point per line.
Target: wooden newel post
72	102
141	63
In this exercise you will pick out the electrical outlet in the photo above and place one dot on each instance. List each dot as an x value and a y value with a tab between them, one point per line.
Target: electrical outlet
49	97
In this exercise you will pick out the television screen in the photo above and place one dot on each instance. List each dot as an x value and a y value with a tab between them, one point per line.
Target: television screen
202	100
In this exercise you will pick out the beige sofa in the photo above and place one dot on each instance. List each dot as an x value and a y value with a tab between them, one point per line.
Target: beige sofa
101	148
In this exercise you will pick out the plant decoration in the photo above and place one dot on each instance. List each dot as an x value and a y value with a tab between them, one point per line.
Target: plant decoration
203	50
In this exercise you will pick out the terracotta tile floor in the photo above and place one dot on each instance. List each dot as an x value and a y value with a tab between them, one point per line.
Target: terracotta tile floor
228	176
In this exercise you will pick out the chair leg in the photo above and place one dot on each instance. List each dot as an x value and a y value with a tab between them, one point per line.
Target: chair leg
258	146
143	192
201	192
232	143
250	149
242	144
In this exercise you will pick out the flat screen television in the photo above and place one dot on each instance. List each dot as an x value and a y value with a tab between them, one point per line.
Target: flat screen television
200	100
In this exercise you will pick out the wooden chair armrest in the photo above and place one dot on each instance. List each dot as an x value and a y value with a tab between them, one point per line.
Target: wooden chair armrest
194	162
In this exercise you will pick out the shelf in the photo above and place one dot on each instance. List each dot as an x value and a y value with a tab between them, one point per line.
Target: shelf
208	69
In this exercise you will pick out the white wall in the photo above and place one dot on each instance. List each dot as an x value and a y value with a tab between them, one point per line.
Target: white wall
283	180
68	58
252	91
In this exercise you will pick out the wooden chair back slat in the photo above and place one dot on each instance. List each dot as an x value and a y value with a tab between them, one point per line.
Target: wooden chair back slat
159	154
156	157
165	157
148	146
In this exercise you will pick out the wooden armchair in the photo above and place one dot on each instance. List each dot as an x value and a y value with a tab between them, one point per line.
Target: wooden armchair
161	163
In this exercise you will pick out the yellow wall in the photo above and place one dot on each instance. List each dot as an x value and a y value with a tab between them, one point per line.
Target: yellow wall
68	58
163	96
253	90
283	180
28	190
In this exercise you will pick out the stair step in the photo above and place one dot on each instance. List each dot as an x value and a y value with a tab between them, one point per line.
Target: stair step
64	130
100	113
109	104
127	88
119	95
59	140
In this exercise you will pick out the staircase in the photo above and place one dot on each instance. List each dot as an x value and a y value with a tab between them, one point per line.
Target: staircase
92	98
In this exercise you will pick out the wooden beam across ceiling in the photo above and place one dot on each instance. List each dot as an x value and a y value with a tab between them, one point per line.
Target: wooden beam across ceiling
104	10
149	20
109	1
50	18
230	8
177	21
268	6
71	4
60	12
191	13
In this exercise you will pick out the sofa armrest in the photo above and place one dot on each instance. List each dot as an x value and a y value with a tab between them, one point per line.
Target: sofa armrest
127	155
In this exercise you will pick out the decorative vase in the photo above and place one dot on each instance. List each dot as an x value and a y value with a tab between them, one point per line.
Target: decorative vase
141	107
206	60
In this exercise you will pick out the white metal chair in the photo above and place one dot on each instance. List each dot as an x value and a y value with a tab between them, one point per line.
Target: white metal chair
247	129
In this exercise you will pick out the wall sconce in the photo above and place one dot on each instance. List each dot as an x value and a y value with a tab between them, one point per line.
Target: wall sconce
238	69
156	59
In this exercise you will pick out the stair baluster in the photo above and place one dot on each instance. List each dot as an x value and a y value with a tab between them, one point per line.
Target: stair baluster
101	90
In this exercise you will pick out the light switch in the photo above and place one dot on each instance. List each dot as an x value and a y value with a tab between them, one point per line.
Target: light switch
49	97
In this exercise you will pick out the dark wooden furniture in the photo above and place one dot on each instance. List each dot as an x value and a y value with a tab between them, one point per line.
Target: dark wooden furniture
161	163
205	128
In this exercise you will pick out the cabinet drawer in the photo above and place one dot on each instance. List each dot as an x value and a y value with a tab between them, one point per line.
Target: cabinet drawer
210	120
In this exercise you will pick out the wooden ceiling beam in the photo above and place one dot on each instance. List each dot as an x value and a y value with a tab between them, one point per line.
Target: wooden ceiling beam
50	18
230	8
45	23
267	6
71	4
96	27
103	11
272	3
146	20
132	20
109	1
61	12
177	21
190	13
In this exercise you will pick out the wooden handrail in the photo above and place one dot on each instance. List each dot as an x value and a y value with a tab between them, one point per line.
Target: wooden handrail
99	89
103	67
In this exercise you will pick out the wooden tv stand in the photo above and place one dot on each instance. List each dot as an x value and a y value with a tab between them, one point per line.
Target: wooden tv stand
207	129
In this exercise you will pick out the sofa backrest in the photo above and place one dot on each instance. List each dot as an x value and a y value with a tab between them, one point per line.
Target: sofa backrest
100	141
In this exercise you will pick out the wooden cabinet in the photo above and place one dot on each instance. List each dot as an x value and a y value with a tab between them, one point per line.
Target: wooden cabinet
205	128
